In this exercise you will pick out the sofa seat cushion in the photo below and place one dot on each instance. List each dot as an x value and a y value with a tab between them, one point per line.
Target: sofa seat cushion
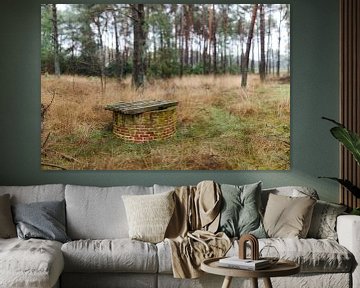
110	255
30	263
313	255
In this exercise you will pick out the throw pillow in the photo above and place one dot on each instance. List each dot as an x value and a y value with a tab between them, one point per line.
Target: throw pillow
149	215
43	220
240	213
7	227
323	222
288	217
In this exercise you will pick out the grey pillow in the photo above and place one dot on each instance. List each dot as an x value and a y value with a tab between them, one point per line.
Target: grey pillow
240	213
44	220
7	226
323	222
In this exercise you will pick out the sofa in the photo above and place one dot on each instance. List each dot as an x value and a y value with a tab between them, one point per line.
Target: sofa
100	253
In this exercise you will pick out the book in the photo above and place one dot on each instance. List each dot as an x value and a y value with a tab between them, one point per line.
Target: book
236	262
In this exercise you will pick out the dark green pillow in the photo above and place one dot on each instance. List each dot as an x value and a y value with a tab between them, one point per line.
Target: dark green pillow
43	220
240	213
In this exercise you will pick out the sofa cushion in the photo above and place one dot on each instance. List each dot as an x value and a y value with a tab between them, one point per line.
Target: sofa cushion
7	226
287	216
98	213
240	210
149	215
323	222
109	280
43	220
36	193
30	263
116	255
291	191
313	255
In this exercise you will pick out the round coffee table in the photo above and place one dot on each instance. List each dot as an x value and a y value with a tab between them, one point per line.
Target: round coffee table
281	268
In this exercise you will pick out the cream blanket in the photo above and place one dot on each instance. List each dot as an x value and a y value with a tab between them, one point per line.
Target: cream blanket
191	231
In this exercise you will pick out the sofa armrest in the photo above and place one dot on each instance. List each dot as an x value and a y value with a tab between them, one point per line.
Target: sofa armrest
348	230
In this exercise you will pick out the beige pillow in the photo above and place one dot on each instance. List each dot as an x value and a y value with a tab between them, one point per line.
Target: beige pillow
148	215
7	226
288	217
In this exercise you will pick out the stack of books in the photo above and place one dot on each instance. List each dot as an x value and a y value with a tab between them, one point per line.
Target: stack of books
248	264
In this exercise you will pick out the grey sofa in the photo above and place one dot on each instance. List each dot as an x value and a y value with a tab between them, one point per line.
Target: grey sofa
101	254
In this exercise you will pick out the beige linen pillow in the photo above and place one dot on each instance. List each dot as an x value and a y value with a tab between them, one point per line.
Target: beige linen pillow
288	217
149	215
7	226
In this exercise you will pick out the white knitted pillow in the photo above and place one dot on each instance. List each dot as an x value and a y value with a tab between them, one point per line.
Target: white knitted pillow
149	215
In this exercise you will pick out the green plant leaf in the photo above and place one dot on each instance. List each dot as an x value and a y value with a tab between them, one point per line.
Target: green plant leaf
347	184
349	139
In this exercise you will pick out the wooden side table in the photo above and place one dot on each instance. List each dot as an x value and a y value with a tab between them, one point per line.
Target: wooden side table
281	268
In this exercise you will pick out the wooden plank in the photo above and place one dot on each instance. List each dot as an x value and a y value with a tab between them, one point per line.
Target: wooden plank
349	89
140	106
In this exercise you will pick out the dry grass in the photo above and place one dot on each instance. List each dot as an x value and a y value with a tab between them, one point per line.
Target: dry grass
220	125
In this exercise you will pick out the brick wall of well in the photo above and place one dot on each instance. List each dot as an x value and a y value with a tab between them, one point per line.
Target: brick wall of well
147	126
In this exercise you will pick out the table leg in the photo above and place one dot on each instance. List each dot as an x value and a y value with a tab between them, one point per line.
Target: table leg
254	282
267	283
227	282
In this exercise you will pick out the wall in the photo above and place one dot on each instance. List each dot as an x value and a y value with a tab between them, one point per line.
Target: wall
314	93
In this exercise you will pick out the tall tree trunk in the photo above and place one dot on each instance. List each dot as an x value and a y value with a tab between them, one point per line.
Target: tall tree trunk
205	41
279	43
252	63
118	69
181	39
225	26
102	55
262	71
248	46
213	36
55	39
138	73
269	41
188	24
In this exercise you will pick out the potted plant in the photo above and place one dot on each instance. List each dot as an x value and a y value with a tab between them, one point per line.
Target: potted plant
351	141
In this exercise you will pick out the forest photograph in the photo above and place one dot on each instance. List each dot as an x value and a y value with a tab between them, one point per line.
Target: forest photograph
165	86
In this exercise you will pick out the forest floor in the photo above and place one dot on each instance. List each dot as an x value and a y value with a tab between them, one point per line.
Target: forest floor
219	125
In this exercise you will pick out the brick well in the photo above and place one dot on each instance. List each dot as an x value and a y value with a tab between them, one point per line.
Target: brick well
144	121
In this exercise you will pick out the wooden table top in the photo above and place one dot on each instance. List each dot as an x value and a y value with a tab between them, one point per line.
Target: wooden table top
281	268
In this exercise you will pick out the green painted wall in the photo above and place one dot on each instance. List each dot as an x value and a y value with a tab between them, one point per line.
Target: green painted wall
314	93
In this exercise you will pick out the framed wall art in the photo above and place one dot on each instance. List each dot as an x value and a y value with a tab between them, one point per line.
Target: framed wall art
165	86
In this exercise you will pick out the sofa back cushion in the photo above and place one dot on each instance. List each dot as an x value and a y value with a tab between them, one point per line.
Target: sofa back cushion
288	217
98	212
7	227
35	193
290	191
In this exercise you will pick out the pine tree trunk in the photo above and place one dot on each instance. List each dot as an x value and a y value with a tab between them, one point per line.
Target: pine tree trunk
56	40
262	71
117	49
138	73
213	36
102	56
248	46
279	45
